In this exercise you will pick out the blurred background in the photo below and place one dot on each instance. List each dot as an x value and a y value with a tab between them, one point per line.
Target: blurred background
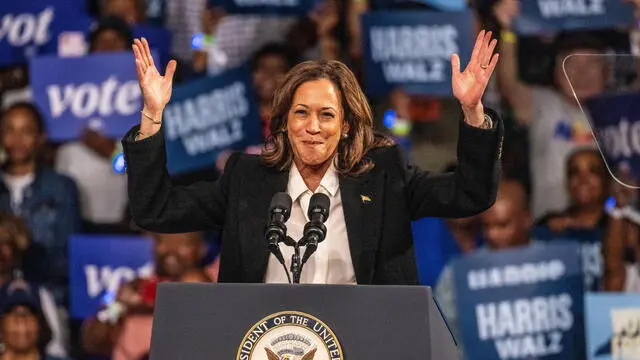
549	272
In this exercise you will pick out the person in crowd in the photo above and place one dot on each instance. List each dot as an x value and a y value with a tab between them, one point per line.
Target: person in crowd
622	237
269	66
24	331
14	245
131	11
123	329
556	124
588	187
46	200
322	141
111	34
506	225
440	240
89	160
314	36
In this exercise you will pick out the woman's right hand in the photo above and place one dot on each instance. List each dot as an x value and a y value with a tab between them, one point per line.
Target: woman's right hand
156	88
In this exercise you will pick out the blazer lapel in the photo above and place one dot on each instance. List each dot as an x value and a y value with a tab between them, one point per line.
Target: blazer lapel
253	220
362	202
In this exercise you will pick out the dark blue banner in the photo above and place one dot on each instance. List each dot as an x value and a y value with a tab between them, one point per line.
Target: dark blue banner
207	116
616	119
159	40
522	303
33	27
271	7
72	92
412	49
545	16
591	247
99	264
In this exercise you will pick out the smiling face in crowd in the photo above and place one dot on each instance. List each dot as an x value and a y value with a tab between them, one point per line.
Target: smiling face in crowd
176	254
315	123
587	178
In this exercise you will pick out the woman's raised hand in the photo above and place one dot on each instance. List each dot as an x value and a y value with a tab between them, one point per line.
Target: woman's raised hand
156	88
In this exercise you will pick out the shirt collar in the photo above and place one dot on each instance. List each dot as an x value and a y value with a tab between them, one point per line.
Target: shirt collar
329	184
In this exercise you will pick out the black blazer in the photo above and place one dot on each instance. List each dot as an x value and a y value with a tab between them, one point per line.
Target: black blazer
379	229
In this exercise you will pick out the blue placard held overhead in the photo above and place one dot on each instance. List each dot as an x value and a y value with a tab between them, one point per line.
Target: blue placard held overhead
521	304
30	28
264	7
75	91
616	121
413	49
548	16
100	264
207	116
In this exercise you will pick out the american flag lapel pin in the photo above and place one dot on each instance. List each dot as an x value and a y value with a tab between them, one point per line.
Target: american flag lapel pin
365	199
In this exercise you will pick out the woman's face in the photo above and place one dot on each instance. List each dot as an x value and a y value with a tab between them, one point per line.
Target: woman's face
587	179
315	123
20	329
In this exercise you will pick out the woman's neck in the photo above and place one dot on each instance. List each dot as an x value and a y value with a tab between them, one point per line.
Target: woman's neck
312	175
27	355
20	169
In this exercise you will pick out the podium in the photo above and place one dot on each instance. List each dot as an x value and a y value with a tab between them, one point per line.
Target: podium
196	321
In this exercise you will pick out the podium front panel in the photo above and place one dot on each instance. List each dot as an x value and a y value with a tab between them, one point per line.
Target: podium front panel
196	321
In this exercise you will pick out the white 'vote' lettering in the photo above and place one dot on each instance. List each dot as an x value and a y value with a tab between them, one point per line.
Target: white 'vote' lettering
88	99
21	29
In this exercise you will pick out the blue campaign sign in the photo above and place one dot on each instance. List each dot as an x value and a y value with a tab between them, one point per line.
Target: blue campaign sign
97	88
591	248
442	5
611	322
412	49
544	16
524	303
99	264
616	119
271	7
30	28
207	116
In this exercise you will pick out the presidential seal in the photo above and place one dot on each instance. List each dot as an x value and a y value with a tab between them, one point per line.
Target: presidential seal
290	335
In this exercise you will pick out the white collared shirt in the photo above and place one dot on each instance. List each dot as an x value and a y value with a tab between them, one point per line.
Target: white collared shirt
331	263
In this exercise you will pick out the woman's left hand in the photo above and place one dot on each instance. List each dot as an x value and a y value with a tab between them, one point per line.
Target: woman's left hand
469	85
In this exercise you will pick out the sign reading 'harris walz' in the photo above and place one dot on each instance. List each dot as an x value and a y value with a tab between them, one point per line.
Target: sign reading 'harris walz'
207	116
522	303
413	49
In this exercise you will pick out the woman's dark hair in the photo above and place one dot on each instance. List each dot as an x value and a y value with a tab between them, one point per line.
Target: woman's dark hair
35	112
357	113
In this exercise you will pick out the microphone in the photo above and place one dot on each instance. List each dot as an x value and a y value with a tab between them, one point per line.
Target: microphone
314	230
276	231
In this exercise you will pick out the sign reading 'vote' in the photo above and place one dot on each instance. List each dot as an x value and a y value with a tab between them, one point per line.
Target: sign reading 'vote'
74	91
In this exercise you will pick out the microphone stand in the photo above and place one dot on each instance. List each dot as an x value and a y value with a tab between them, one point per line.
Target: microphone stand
296	267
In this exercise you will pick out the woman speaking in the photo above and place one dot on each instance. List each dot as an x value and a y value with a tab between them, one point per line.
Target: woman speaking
322	142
